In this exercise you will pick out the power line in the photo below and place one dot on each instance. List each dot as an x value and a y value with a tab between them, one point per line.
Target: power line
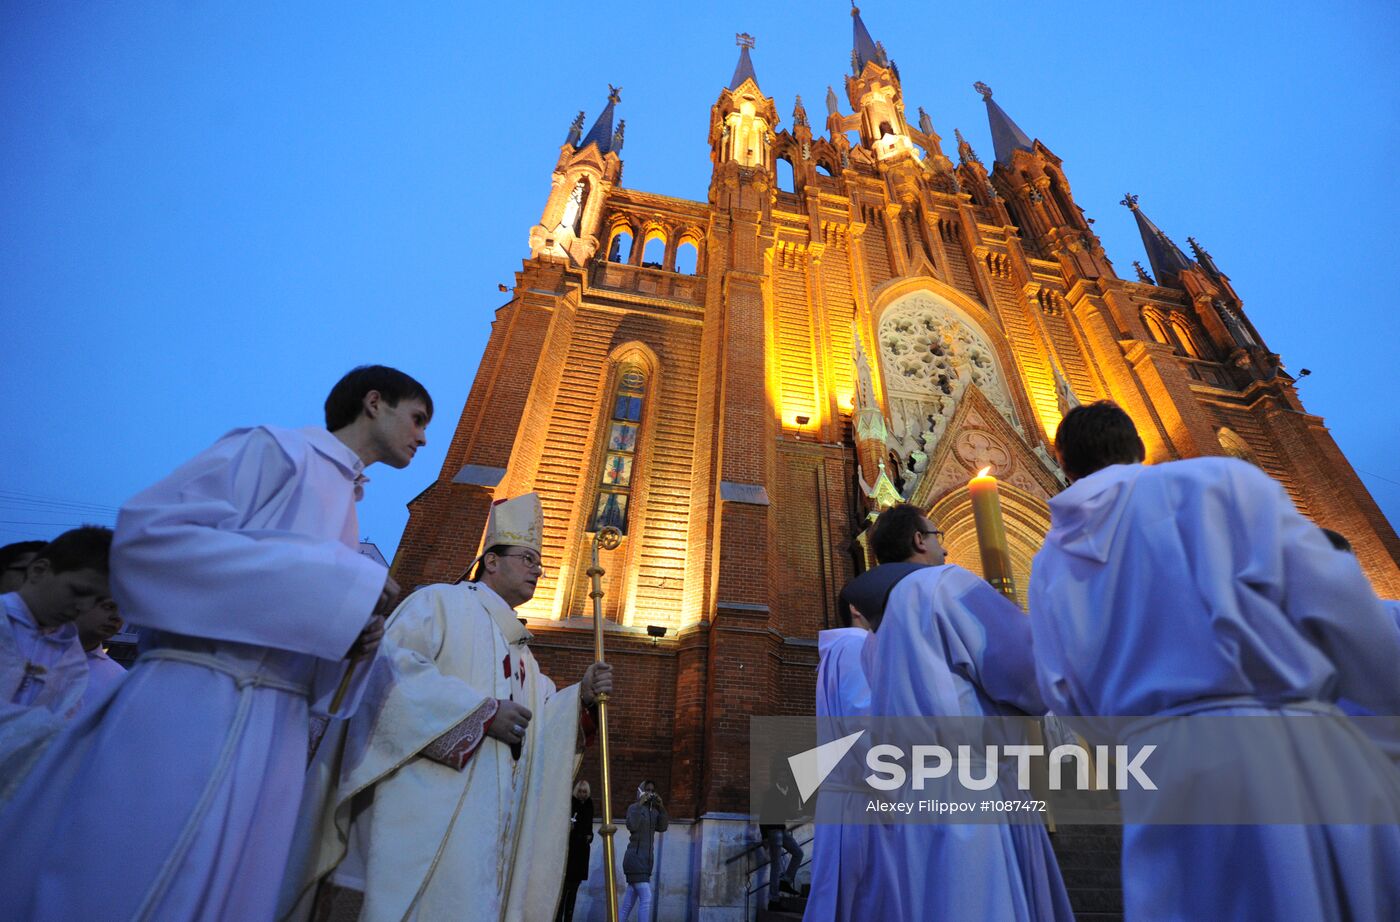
29	499
1377	476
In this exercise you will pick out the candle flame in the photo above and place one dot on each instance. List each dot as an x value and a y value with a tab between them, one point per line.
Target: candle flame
985	471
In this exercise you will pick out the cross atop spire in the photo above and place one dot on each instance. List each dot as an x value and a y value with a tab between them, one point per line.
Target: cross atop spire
1007	136
744	69
602	131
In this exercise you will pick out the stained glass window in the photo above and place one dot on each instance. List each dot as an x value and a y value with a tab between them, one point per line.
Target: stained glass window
614	490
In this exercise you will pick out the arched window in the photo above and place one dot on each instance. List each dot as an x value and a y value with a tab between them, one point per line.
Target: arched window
621	247
615	488
1186	338
1062	202
1155	327
654	253
885	129
786	181
687	257
823	169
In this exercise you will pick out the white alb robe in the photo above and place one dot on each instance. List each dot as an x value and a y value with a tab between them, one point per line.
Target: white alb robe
838	851
174	798
39	668
486	842
1196	587
42	680
104	674
952	646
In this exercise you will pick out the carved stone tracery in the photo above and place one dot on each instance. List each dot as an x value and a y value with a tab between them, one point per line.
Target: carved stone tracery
931	353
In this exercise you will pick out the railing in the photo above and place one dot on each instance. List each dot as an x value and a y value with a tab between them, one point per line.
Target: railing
767	860
657	283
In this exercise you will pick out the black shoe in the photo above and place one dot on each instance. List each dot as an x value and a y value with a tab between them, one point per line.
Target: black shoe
775	905
785	887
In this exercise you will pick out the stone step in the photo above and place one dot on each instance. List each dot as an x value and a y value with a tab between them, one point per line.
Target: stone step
1090	859
792	908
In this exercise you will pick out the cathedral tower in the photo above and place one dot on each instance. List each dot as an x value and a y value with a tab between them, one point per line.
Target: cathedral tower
741	382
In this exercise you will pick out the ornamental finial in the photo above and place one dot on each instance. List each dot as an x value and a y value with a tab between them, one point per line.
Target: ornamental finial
614	93
743	39
982	88
1130	202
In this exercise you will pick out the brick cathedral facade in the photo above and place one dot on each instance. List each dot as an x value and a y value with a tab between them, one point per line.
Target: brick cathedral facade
798	354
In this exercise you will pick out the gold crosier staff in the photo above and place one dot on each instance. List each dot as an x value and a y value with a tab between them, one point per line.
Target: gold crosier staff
608	538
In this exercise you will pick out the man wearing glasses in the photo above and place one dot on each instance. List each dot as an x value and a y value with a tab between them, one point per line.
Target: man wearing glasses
947	644
448	789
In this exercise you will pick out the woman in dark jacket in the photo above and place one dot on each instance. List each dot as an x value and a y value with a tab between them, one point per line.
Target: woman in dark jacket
580	848
644	818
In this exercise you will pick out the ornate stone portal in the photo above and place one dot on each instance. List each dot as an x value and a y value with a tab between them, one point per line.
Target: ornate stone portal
931	353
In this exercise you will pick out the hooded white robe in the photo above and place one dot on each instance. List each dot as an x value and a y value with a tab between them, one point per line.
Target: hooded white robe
950	645
174	797
43	677
486	842
838	851
1196	587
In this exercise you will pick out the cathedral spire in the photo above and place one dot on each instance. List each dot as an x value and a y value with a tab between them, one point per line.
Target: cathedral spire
744	69
602	131
965	152
1166	258
1203	257
864	48
1007	136
575	130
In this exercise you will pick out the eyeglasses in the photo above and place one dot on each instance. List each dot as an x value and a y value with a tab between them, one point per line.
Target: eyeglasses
936	532
531	561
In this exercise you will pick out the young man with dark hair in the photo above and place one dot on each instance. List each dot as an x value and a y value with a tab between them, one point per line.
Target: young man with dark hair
14	561
96	626
1196	587
41	660
947	644
43	671
345	403
243	570
1095	436
903	534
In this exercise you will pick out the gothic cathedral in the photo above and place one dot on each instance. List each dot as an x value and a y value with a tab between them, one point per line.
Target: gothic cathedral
740	383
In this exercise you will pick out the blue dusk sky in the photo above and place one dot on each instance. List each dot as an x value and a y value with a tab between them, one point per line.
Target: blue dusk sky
213	210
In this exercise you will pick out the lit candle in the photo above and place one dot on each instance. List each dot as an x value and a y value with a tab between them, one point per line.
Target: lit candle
991	534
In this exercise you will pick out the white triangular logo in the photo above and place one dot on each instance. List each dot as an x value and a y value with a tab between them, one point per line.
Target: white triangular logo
810	768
